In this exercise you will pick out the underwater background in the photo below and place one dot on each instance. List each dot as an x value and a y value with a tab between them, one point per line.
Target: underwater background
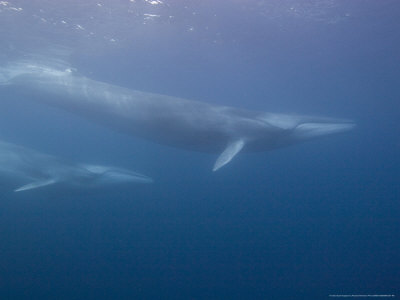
305	222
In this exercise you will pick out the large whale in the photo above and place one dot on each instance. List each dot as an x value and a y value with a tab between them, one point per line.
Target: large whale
164	119
27	169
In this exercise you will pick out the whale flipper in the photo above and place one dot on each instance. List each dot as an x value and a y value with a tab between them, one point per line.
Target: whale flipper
231	150
35	185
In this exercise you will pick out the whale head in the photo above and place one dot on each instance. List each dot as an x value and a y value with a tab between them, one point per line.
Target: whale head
279	130
310	130
296	128
98	175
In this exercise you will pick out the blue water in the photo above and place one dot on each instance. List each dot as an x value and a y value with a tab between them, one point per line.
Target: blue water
304	222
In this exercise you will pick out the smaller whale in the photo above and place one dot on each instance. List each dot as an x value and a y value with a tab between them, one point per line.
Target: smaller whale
26	169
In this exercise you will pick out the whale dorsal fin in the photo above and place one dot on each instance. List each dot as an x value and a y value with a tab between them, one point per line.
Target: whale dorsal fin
230	152
35	185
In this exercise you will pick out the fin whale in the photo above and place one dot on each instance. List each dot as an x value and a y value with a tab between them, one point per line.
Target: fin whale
167	120
27	169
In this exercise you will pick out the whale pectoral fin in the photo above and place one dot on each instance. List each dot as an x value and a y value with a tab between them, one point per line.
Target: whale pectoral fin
35	185
230	152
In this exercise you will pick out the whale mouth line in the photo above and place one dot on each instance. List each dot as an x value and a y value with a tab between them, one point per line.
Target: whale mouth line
316	129
130	176
116	174
321	125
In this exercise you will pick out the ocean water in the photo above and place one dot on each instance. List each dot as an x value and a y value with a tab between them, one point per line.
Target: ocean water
309	221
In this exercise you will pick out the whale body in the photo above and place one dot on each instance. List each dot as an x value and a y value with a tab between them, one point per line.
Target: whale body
167	120
27	169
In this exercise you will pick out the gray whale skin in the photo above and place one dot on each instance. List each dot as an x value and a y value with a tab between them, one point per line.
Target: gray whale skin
167	120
